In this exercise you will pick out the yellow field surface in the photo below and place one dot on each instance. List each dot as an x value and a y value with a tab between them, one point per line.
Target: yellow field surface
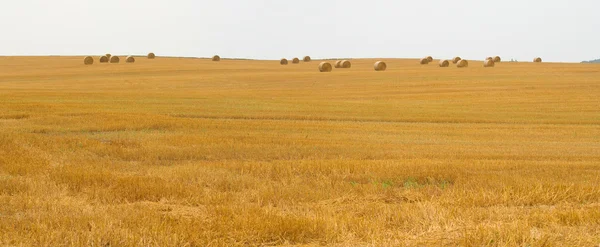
189	152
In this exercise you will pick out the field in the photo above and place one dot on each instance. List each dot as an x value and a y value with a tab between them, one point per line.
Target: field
189	152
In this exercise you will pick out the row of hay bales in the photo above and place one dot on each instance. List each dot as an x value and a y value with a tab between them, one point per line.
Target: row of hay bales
295	60
108	58
327	67
463	63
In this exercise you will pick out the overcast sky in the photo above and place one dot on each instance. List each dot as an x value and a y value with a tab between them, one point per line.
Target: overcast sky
556	30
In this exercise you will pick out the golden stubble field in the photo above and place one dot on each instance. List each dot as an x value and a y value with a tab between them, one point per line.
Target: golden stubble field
189	152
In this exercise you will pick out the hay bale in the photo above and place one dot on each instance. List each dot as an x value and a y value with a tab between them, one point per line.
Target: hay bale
325	67
338	64
307	59
345	64
283	61
444	63
130	59
151	55
380	66
537	60
115	59
424	61
104	59
88	60
497	59
216	58
489	63
462	63
429	59
108	56
295	60
456	59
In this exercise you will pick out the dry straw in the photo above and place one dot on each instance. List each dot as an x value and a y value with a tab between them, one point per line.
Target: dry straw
497	59
151	55
307	59
325	67
489	63
424	61
345	64
115	59
130	59
537	60
295	60
338	64
88	60
380	66
429	59
444	63
283	61
216	58
456	59
104	59
462	63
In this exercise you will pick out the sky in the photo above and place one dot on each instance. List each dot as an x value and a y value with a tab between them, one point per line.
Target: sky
556	30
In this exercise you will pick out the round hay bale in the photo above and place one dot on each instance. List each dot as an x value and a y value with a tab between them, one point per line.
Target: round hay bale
325	67
338	64
537	60
489	63
88	60
216	58
115	59
295	60
307	59
130	59
104	59
429	59
345	64
151	55
380	66
424	61
444	63
497	59
283	61
456	59
462	63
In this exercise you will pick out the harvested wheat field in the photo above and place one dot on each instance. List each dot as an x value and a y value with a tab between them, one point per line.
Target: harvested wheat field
188	152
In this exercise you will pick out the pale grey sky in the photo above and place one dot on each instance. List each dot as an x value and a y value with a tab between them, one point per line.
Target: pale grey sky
556	30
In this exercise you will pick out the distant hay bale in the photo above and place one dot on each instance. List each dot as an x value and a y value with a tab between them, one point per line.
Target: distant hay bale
325	67
537	60
104	59
424	61
115	59
295	60
130	59
151	55
338	64
88	60
444	63
489	63
283	61
345	64
429	59
497	59
216	58
108	56
462	63
380	66
456	59
307	59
